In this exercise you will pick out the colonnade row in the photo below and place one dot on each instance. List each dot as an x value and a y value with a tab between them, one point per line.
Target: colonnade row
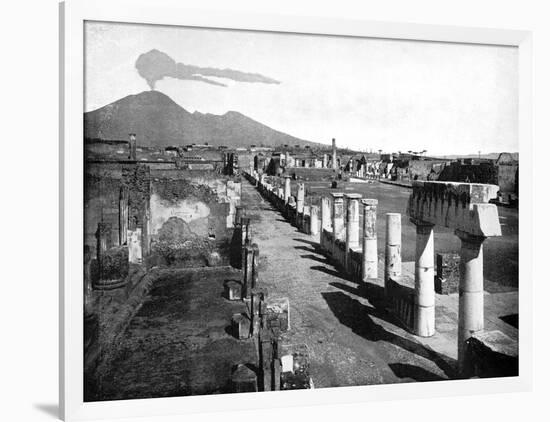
463	207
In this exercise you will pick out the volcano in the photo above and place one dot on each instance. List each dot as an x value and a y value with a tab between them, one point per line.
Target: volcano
158	121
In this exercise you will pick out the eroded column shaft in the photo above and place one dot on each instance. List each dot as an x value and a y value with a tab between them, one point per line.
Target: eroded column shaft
352	225
287	189
325	213
392	264
314	220
300	196
370	240
470	302
424	281
123	215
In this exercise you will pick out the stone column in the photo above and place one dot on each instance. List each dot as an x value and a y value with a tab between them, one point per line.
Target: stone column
255	265
334	164
352	224
314	220
103	236
338	227
123	215
132	147
248	270
424	280
370	240
325	161
287	159
325	213
470	307
392	267
287	189
239	212
300	196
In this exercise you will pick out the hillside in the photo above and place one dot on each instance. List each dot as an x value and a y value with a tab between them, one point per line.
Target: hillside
158	121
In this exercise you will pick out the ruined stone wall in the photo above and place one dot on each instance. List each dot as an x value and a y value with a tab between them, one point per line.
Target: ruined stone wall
192	217
101	195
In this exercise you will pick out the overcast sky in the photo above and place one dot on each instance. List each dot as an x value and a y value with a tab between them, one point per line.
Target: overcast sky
366	93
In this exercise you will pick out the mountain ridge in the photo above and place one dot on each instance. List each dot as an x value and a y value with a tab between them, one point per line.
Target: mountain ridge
157	120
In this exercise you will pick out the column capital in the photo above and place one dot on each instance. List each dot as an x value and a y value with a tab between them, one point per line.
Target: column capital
470	238
353	195
369	202
337	196
421	223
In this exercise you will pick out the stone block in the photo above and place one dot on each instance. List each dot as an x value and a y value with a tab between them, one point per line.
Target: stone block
491	354
233	290
244	380
278	314
240	326
295	367
447	273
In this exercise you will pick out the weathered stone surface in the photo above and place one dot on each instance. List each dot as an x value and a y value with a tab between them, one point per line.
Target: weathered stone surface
491	354
232	290
459	206
278	314
295	367
447	275
244	379
240	325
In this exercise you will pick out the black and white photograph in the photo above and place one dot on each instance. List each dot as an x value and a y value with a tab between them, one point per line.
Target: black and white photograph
272	211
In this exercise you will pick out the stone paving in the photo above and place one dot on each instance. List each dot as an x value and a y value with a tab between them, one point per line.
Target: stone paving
352	339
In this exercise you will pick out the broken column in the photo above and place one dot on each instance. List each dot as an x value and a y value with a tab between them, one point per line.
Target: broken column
123	215
424	280
392	264
352	225
287	192
338	228
314	220
334	164
325	161
370	240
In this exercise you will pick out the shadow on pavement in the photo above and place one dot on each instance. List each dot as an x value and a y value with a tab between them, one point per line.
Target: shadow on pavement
405	370
358	317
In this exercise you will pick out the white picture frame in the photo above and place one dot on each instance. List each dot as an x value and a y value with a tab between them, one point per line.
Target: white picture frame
73	14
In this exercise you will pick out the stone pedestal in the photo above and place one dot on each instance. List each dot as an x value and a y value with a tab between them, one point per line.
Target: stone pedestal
470	307
392	264
352	224
370	240
424	280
